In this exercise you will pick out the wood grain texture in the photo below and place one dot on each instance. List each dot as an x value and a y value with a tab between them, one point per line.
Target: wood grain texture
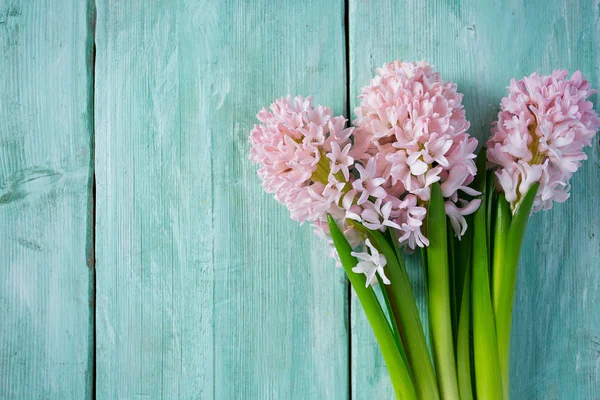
45	199
205	288
481	45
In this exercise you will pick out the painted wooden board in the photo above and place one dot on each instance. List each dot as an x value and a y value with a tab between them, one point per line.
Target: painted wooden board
205	288
481	45
45	200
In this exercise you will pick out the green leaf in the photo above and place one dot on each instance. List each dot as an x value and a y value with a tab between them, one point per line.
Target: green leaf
462	269
405	312
438	283
463	348
507	258
392	240
501	227
462	261
485	344
490	195
397	368
392	321
454	305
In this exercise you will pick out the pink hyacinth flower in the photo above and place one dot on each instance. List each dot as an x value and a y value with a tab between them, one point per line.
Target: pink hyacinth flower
543	126
411	129
298	148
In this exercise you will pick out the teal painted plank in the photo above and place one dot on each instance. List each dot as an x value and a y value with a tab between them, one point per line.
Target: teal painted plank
481	45
45	200
205	288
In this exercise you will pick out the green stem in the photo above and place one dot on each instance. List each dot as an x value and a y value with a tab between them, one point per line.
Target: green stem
462	263
462	269
399	374
393	324
463	357
438	284
394	241
398	252
503	217
507	283
454	304
490	195
485	344
406	314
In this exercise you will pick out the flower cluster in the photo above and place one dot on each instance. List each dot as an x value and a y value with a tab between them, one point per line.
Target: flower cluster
408	154
411	132
543	125
303	155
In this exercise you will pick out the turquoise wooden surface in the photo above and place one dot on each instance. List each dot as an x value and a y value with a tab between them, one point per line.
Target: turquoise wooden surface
46	326
204	287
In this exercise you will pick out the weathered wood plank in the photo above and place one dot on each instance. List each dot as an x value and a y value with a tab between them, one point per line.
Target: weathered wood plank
205	288
45	200
481	45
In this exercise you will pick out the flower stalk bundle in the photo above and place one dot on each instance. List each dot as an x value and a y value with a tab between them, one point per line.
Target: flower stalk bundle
406	177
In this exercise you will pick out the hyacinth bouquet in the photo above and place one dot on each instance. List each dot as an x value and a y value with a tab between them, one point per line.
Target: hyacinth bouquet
406	177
